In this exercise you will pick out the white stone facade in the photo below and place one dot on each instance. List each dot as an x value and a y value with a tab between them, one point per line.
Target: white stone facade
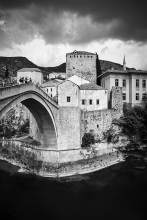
99	99
50	87
57	75
30	73
133	83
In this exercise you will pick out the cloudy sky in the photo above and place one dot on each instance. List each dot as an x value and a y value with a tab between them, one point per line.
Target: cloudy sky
45	30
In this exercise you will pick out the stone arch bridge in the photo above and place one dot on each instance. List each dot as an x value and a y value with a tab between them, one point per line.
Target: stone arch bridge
43	108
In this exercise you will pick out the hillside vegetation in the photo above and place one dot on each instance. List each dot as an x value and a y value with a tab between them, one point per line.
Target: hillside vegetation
13	64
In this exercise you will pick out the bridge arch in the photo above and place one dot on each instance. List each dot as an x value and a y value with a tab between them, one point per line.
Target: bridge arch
42	113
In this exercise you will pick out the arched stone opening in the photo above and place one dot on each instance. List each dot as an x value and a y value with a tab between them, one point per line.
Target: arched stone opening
42	113
47	134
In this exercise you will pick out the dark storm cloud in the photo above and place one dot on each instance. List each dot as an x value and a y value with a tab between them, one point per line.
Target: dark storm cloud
116	19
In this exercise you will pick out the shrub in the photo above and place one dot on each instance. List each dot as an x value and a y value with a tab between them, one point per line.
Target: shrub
134	122
87	140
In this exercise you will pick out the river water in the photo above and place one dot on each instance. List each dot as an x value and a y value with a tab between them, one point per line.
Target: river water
117	192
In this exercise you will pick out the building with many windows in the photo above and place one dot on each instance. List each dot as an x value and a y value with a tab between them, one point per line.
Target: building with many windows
133	83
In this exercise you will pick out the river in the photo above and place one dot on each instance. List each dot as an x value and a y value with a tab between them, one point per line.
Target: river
117	192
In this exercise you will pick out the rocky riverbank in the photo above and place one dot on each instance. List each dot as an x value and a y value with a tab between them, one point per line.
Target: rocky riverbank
31	159
135	153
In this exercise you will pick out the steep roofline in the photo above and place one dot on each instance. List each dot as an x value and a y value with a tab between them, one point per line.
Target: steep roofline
96	87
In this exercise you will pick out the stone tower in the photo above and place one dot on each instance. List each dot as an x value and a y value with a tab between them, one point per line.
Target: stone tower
83	64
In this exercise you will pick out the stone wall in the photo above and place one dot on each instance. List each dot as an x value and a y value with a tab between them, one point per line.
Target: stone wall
55	164
69	128
68	89
83	66
100	121
116	101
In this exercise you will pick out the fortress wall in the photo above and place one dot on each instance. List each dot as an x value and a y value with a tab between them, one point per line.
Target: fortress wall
98	122
84	67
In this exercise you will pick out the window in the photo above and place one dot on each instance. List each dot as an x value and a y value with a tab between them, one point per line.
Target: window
77	56
143	83
88	56
68	98
90	101
137	96
47	90
144	95
80	56
51	89
124	82
137	83
83	101
116	82
97	102
124	96
51	95
91	56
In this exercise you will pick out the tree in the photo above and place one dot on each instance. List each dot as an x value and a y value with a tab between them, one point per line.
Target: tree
87	140
134	122
6	72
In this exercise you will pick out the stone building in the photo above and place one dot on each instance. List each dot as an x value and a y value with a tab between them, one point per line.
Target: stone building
83	64
56	75
133	83
76	91
77	95
29	74
50	87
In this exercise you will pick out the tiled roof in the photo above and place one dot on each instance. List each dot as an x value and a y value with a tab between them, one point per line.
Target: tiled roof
75	52
29	70
91	86
127	72
77	80
51	83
